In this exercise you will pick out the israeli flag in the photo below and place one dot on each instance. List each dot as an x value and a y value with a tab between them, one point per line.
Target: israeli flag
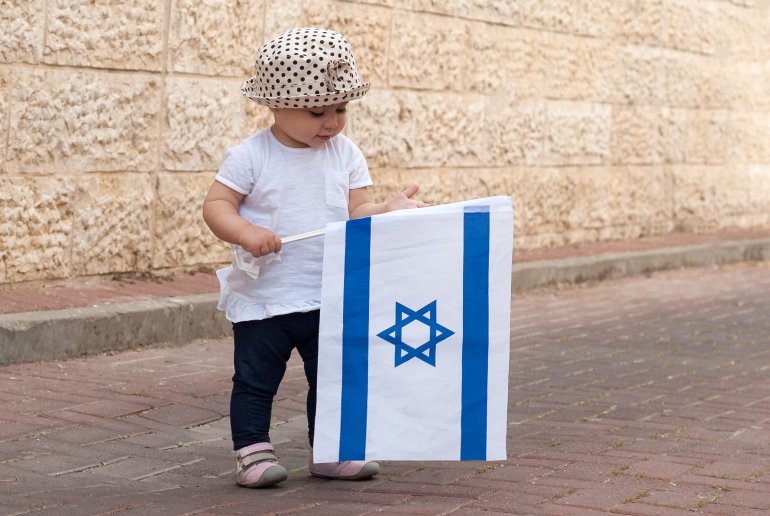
415	333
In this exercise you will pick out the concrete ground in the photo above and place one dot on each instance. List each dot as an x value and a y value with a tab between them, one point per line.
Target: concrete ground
645	395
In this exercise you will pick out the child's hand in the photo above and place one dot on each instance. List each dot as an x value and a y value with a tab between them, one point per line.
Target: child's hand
259	241
404	201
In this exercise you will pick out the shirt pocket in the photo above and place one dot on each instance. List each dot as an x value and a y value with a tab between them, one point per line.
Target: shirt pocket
336	189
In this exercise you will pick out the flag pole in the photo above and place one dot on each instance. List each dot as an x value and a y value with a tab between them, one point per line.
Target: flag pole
302	236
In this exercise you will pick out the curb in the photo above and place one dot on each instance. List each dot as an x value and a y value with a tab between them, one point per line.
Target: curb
532	275
70	333
62	334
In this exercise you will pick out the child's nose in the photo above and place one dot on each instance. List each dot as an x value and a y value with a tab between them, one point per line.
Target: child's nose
331	121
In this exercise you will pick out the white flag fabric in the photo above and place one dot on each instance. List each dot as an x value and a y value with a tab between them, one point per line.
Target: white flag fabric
415	335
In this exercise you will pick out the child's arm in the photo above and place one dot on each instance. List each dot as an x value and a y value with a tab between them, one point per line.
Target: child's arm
220	211
360	206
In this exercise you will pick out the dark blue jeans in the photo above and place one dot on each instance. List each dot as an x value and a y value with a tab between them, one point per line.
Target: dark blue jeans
262	349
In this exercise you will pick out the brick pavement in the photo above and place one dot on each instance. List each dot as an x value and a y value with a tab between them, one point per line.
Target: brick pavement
646	395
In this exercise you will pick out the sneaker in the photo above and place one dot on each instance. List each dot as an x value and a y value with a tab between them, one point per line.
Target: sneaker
348	470
257	466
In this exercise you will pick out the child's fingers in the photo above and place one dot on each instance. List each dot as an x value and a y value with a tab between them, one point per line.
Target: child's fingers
410	191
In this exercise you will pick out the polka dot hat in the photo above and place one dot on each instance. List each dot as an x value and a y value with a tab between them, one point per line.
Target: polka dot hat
305	68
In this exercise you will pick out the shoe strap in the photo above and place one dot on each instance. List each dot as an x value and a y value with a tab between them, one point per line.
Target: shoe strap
257	457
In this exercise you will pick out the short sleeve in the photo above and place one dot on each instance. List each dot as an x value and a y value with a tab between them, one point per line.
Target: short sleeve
237	170
357	167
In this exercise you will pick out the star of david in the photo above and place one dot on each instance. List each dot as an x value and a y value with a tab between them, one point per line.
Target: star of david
425	351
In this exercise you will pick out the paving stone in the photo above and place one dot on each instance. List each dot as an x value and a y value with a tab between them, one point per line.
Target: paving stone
643	395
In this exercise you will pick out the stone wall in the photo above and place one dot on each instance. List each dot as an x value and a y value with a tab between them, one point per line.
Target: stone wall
604	119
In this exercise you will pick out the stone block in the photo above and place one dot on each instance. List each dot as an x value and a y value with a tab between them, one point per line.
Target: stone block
636	136
578	133
105	34
739	32
758	185
707	136
691	26
220	37
428	52
112	221
640	22
200	126
447	129
76	121
4	114
382	125
562	66
748	79
497	60
706	197
632	75
181	236
502	12
21	39
437	186
562	205
366	27
282	15
748	137
584	17
695	81
36	227
673	127
514	131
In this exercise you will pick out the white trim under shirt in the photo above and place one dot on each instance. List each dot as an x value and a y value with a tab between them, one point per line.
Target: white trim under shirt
289	191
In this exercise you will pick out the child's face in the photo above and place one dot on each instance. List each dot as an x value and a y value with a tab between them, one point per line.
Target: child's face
308	127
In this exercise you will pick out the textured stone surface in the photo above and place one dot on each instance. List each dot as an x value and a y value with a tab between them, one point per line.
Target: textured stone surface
588	203
578	133
75	121
201	126
105	34
497	60
604	119
181	236
112	223
504	12
748	137
427	52
446	129
4	105
584	17
367	29
514	131
36	227
637	137
699	188
378	125
21	37
219	39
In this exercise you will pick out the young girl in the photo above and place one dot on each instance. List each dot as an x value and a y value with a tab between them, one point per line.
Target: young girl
290	178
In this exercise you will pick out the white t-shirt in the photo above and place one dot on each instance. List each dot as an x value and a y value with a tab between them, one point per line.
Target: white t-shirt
288	191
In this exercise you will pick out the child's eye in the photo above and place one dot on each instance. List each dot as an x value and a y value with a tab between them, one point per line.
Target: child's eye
316	114
341	110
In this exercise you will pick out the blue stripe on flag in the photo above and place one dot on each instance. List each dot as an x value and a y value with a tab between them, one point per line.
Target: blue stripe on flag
475	354
355	339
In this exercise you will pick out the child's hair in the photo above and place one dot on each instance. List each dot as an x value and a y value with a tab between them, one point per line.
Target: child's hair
306	67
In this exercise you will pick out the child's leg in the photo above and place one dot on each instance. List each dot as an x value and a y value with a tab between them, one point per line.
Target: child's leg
308	350
261	351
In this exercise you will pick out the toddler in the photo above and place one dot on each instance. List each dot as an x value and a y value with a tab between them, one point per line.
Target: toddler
290	178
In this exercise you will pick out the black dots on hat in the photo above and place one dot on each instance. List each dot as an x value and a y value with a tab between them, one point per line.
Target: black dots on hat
303	66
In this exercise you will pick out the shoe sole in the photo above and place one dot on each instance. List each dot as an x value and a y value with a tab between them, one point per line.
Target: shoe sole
368	471
272	476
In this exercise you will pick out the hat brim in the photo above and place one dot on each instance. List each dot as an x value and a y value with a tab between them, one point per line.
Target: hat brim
306	101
